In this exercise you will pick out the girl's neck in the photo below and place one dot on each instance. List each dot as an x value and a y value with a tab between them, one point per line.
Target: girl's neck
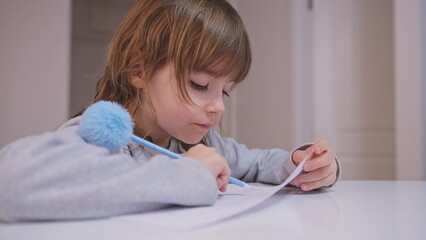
156	135
163	141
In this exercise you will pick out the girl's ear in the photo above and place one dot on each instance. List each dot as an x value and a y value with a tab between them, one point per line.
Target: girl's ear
136	79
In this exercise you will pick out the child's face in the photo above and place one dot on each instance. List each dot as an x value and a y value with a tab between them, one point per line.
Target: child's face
177	118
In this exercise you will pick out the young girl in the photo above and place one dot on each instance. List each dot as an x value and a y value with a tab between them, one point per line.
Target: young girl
170	64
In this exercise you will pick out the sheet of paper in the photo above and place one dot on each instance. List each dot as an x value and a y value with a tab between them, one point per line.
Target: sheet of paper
234	201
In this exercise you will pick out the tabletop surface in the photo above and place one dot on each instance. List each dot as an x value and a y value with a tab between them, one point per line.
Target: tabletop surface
350	210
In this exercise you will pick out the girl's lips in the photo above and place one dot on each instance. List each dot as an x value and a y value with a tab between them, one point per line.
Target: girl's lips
204	126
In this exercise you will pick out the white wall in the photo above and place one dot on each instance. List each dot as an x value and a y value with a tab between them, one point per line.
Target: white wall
351	81
409	65
34	66
423	62
261	108
354	84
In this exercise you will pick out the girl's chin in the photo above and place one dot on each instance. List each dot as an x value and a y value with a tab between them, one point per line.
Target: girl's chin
191	141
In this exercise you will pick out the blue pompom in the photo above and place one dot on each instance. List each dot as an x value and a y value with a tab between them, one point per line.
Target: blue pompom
106	124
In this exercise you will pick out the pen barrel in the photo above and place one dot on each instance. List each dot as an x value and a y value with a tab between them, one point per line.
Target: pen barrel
237	182
154	147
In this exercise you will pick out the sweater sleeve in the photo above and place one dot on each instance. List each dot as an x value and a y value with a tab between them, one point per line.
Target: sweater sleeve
253	165
57	176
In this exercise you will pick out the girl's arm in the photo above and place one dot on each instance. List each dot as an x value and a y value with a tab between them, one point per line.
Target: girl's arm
58	176
255	165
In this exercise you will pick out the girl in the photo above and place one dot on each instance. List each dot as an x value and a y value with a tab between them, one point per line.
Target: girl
170	64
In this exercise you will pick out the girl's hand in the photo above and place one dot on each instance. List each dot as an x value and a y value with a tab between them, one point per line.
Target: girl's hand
213	161
321	170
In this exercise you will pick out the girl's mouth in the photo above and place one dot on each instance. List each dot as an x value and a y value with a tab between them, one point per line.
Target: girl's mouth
204	126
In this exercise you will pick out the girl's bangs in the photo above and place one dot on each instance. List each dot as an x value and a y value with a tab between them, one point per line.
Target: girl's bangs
214	59
218	43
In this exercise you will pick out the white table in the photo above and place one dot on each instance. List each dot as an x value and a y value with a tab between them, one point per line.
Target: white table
351	210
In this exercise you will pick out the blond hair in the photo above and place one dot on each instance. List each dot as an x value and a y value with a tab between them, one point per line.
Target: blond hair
192	35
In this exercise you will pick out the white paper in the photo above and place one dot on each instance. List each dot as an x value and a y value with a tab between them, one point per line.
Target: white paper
235	200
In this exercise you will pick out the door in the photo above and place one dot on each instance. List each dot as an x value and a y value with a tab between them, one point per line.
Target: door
354	84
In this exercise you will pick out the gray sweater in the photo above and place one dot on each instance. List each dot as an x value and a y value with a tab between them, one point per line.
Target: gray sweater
58	176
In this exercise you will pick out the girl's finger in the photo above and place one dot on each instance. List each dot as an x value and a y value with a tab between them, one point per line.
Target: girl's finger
320	146
298	156
325	182
313	176
222	183
320	161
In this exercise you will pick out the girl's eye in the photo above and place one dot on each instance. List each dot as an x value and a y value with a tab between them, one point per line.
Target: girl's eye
199	87
203	88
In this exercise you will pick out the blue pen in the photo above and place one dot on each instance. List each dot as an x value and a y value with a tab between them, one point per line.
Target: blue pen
171	154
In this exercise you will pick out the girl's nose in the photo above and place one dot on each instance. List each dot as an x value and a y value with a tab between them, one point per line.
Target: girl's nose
216	105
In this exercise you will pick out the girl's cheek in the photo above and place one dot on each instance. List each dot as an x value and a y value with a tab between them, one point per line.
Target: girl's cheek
197	98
